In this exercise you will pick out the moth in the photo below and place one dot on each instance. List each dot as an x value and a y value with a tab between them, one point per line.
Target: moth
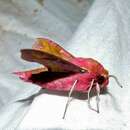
62	71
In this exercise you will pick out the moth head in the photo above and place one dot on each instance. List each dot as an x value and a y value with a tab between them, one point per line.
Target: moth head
94	66
103	79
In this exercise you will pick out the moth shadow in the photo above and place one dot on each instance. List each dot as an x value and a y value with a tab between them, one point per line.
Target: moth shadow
114	102
75	95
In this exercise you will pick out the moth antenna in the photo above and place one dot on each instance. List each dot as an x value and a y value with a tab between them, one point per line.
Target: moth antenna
117	81
98	96
69	98
89	90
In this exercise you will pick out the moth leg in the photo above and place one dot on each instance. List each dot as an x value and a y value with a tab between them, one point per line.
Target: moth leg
89	90
97	97
69	98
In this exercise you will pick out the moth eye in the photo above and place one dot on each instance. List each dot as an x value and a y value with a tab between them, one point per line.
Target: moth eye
83	71
100	79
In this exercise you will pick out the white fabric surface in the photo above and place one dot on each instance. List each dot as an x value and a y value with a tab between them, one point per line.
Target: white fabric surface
99	29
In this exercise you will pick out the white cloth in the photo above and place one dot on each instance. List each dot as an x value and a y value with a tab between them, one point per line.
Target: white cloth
99	29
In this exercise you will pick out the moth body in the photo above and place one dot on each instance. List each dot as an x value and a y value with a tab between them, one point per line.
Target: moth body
62	71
